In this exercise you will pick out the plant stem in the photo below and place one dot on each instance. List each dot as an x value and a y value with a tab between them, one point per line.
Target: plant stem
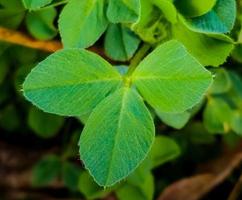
237	190
138	57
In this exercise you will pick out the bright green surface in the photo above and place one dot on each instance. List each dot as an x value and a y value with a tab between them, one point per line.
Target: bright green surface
170	79
35	4
125	135
81	23
125	11
219	20
120	43
70	82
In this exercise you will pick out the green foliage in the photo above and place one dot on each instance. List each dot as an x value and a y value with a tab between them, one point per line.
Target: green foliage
220	19
82	33
120	43
35	4
74	72
46	171
40	23
78	76
11	13
123	11
131	143
159	49
43	124
71	174
194	8
171	68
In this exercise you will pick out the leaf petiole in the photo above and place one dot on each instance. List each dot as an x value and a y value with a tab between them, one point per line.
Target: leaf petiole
138	57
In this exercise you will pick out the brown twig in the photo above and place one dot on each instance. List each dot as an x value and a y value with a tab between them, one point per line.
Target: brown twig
236	190
15	37
18	38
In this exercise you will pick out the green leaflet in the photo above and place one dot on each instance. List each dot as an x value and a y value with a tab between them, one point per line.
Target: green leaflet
71	174
43	124
143	191
9	117
11	13
208	50
177	120
40	24
152	26
221	83
120	42
81	23
91	189
168	9
123	11
70	82
46	170
35	4
217	116
126	133
236	122
220	19
164	150
170	79
194	8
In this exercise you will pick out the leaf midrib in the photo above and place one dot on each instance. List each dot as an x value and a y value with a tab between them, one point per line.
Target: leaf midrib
137	78
116	135
74	84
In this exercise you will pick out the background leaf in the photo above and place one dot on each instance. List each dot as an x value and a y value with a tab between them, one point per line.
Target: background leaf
82	29
40	23
220	19
123	11
43	124
120	43
46	170
35	4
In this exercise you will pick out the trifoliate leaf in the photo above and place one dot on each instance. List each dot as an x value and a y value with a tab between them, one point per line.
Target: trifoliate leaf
206	49
125	136
120	42
217	116
123	11
170	79
35	4
168	9
40	23
71	174
11	13
81	23
90	189
194	8
70	82
43	124
143	191
163	150
152	26
220	19
46	171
